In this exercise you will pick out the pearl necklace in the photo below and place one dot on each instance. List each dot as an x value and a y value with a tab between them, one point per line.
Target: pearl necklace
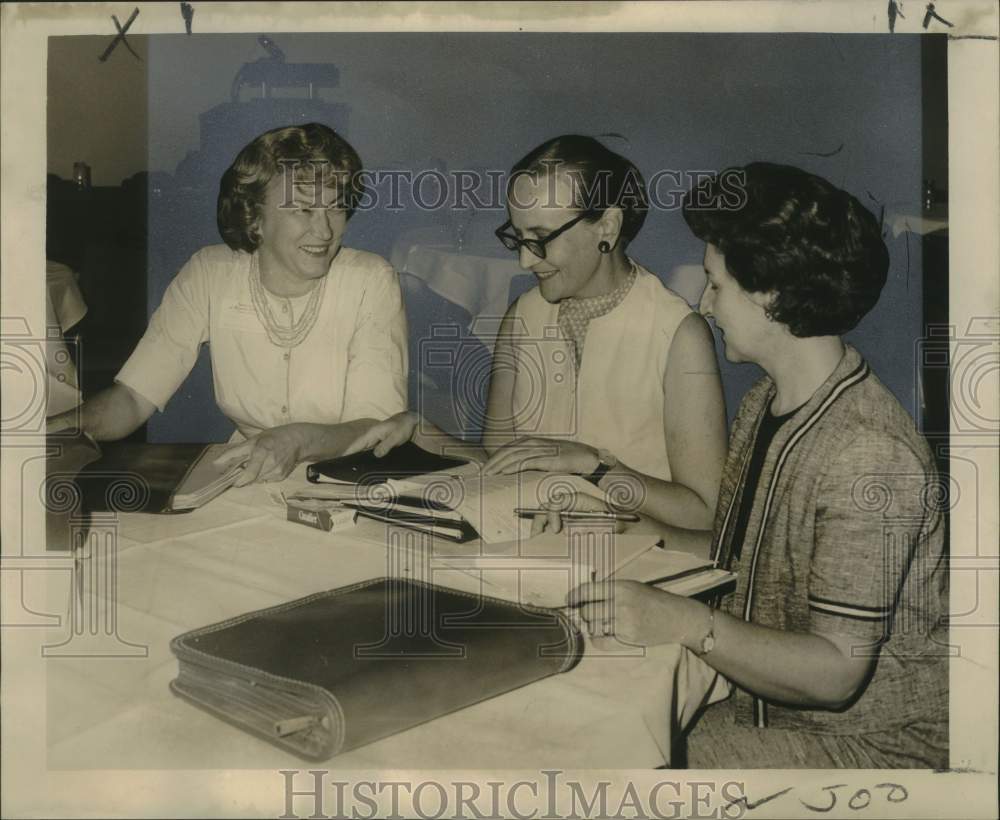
279	334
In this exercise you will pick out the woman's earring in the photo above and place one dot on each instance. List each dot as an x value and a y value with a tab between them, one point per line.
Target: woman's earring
603	247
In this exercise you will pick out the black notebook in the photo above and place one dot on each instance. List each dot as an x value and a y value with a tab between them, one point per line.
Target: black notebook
343	668
418	514
365	468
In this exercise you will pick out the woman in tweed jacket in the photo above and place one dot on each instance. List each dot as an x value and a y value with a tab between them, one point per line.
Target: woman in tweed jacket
835	637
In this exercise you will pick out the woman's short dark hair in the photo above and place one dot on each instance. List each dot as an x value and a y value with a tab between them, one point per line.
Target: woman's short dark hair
789	232
601	178
311	149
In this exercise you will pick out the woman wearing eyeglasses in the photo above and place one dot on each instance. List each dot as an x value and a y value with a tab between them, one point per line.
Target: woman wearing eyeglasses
599	370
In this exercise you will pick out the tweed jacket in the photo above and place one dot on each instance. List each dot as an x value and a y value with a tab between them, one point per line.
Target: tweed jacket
846	537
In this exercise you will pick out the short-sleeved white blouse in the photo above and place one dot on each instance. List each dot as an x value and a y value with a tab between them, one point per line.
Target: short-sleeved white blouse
351	365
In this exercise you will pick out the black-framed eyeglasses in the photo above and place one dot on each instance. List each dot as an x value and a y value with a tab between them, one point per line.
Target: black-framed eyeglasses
512	242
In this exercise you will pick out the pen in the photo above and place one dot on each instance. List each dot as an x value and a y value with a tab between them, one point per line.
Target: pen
594	515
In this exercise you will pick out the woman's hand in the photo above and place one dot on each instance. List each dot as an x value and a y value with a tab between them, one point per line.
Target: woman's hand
269	456
550	455
386	435
640	614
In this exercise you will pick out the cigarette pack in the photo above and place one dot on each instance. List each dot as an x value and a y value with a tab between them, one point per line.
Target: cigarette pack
321	515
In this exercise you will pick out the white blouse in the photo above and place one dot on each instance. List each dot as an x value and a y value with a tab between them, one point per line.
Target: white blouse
351	365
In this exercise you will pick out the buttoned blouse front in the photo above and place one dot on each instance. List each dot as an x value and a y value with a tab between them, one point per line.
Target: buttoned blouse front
351	365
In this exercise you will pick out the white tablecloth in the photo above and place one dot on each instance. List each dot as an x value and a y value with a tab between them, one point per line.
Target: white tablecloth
920	223
175	573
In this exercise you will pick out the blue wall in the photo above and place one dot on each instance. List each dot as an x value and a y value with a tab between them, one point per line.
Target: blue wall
847	107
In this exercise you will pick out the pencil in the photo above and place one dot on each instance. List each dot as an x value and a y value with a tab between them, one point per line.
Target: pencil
593	515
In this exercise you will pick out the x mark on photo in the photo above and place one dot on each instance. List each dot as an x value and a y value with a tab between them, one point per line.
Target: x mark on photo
120	37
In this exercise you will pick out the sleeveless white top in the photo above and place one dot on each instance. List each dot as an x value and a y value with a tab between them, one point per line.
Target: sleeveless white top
616	401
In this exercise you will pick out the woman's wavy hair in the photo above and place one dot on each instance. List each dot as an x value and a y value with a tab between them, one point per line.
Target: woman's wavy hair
310	149
788	232
601	179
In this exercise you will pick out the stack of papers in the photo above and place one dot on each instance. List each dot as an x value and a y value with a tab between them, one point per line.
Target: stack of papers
204	480
677	572
487	502
538	571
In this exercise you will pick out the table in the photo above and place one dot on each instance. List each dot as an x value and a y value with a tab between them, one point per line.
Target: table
175	573
476	276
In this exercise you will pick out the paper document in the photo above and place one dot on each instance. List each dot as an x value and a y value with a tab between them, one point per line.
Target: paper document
205	480
677	572
542	570
488	502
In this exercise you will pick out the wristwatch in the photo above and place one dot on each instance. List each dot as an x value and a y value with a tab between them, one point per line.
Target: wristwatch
708	642
605	462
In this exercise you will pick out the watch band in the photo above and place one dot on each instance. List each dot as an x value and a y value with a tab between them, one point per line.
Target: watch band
596	476
605	462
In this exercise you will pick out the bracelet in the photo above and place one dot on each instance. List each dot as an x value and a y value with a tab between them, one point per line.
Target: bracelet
708	642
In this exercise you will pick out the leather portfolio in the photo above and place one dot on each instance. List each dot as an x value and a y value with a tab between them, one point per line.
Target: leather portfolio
339	669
